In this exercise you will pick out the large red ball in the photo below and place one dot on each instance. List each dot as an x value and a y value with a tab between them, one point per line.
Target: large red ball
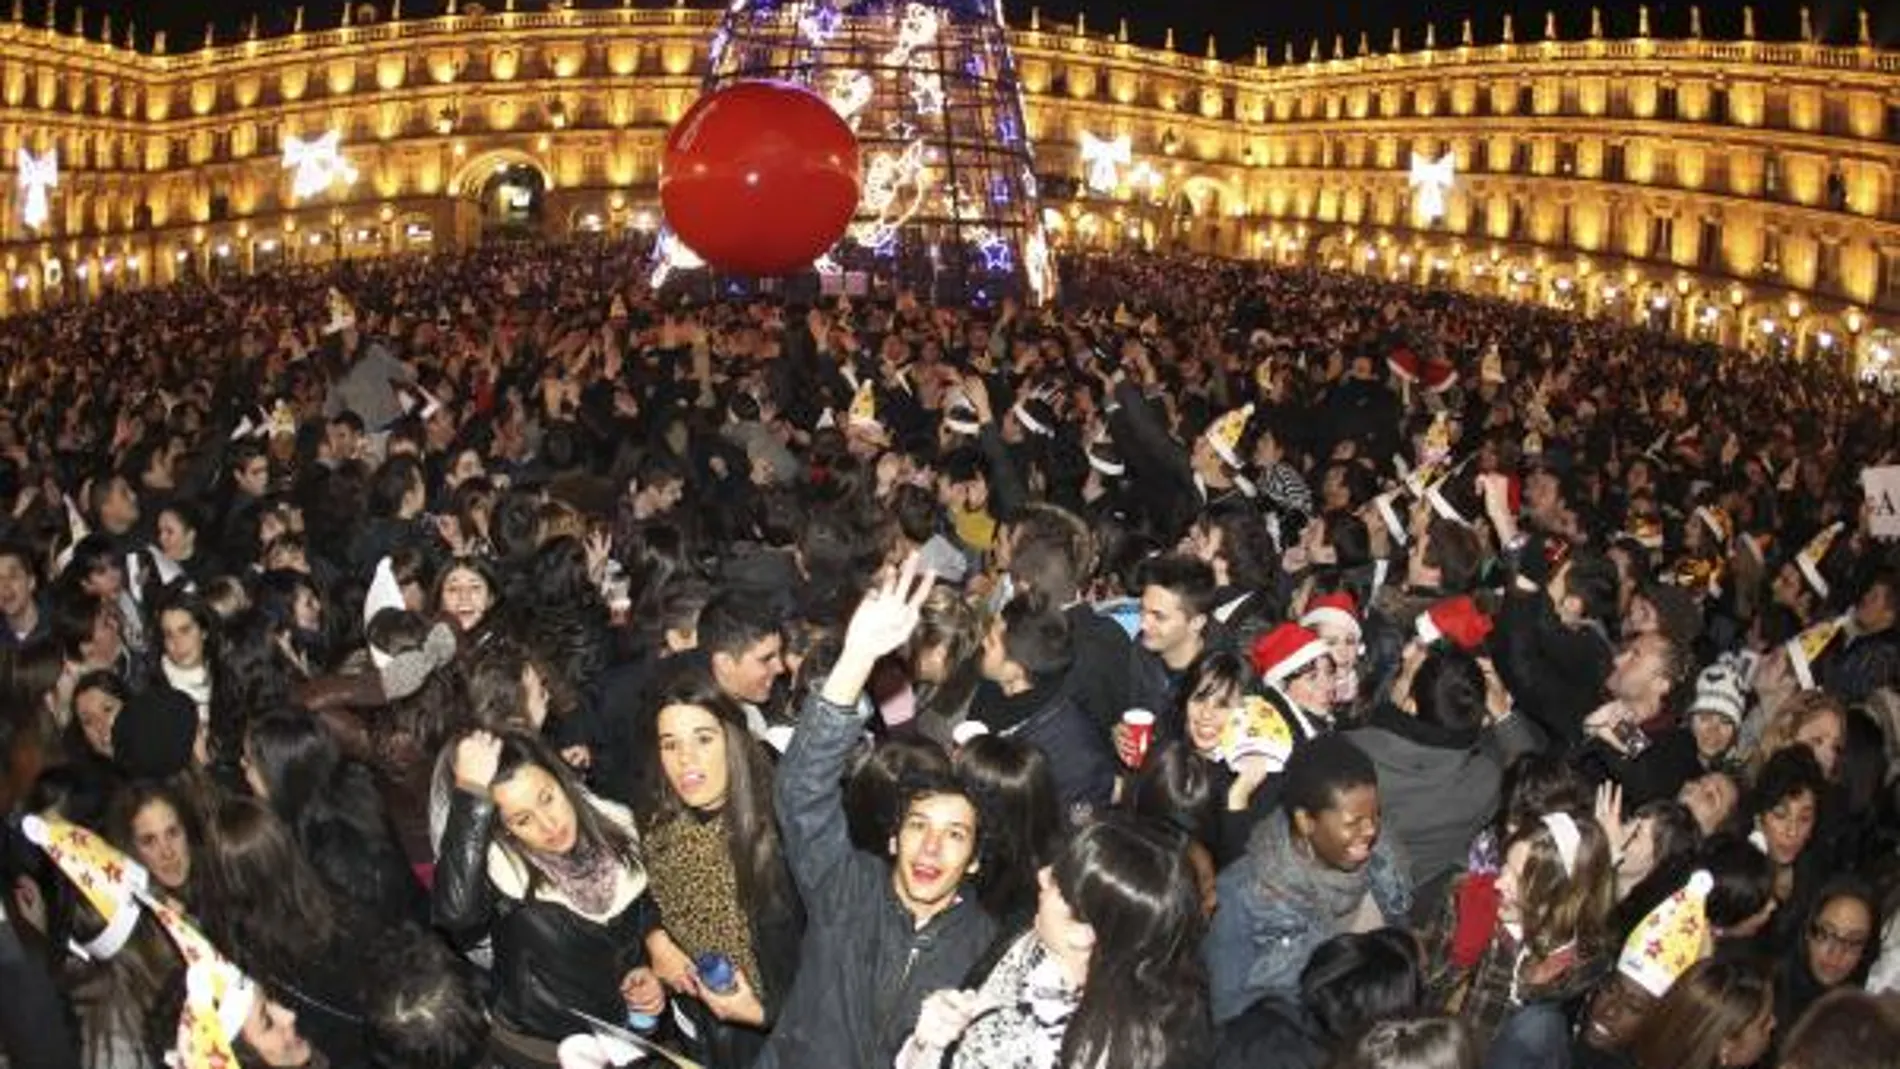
760	178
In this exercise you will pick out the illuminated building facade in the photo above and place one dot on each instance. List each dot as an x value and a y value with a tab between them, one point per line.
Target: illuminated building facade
1745	191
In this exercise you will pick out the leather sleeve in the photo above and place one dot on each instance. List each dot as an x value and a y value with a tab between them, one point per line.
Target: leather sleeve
463	901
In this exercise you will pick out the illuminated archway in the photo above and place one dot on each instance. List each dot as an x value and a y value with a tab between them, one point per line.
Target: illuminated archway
473	176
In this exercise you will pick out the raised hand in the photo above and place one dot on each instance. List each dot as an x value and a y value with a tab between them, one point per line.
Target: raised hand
477	760
889	612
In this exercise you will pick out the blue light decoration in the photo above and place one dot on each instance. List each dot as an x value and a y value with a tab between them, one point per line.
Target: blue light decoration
930	87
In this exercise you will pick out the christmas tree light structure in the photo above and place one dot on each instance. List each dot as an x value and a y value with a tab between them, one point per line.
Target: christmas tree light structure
948	202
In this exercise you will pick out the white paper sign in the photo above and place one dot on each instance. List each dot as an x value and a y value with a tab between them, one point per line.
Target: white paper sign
1882	486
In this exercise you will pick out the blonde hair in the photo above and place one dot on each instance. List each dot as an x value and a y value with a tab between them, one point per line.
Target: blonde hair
1559	907
1786	722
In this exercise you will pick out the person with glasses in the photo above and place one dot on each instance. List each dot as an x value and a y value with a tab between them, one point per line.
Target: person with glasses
1832	951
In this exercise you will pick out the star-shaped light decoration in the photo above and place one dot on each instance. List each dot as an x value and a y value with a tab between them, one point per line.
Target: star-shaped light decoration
926	92
37	175
316	165
995	251
819	24
1105	159
1431	180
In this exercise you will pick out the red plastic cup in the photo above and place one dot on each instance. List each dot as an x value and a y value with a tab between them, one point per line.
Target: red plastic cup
1141	731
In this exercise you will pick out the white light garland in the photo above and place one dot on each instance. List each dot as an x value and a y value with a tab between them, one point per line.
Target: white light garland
849	92
316	165
37	175
1431	180
1105	159
916	29
894	189
1036	265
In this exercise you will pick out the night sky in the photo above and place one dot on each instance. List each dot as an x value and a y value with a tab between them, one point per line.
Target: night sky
1239	24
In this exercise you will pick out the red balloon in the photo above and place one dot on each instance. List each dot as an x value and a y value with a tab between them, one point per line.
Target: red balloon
760	178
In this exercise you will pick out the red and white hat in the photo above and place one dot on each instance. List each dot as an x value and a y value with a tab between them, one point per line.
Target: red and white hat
1437	374
1339	608
1403	363
1457	621
1284	651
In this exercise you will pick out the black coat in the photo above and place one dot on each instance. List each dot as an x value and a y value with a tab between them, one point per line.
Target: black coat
550	959
1098	680
1555	673
1079	758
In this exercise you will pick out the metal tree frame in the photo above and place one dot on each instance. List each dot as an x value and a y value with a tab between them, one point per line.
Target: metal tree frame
930	88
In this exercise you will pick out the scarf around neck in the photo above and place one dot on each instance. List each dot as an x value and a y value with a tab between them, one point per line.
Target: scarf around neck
586	875
1292	872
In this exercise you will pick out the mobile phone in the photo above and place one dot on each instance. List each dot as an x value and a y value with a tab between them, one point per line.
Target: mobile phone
1632	737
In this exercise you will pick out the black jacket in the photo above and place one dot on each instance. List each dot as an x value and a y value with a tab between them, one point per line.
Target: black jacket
1098	681
549	959
1555	673
1078	753
865	966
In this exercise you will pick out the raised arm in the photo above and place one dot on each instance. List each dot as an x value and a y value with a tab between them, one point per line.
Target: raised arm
810	799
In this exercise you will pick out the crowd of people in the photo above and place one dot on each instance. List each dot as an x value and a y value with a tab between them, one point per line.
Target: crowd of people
481	660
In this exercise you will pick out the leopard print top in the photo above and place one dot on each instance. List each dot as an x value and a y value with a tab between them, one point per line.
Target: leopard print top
689	868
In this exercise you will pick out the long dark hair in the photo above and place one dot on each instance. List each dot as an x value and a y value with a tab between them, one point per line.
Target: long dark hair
1014	792
521	750
1145	1005
258	897
332	808
752	839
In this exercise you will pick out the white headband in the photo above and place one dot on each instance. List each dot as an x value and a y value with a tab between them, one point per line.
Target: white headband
1563	831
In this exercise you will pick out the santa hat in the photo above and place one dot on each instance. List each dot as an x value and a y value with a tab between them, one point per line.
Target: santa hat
1224	434
1455	621
1339	608
1104	457
1404	364
1674	936
1814	553
1284	651
1437	375
1256	728
109	881
1806	648
342	313
1719	690
1715	517
218	996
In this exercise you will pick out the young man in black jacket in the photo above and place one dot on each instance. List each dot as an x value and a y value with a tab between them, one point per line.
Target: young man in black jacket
882	933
